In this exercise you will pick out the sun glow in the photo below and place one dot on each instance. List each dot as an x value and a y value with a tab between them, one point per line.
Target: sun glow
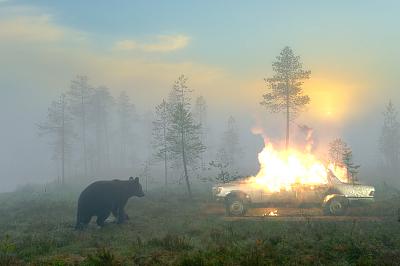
330	99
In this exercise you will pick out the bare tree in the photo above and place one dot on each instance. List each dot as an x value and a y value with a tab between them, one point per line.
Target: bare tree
390	138
80	95
59	125
183	135
160	128
284	87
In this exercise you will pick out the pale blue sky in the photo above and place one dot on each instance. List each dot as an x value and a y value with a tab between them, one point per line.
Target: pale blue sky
228	32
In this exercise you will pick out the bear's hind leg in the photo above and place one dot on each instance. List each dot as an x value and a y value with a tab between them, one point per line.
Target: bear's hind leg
101	217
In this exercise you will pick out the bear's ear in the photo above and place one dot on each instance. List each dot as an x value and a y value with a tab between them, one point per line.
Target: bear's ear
137	179
130	178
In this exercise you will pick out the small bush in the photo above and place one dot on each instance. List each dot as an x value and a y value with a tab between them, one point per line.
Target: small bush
102	257
193	260
7	252
172	242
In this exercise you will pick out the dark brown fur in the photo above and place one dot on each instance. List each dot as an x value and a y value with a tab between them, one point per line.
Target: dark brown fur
104	197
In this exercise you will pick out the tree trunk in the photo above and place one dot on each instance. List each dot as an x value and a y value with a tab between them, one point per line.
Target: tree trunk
63	141
165	154
287	116
84	135
185	166
165	169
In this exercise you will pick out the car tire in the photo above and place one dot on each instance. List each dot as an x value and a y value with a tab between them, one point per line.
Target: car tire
236	207
336	206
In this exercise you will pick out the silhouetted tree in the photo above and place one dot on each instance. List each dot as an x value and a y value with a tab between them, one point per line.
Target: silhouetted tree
145	173
59	125
390	138
200	113
352	169
230	149
80	95
160	128
183	135
126	115
284	87
337	149
102	102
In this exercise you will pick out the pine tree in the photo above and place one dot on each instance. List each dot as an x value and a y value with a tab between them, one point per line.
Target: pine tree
390	138
80	96
126	117
337	149
284	87
352	169
99	114
160	128
200	113
59	126
183	135
230	150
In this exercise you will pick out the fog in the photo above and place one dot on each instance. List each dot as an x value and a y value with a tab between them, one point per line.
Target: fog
199	132
27	158
349	87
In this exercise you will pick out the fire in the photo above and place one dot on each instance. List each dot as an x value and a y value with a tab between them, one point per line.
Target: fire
272	213
340	172
280	170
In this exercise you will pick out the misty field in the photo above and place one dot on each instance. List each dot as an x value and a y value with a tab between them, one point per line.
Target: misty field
36	228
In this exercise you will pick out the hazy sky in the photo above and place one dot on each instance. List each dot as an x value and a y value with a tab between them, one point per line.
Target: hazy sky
225	48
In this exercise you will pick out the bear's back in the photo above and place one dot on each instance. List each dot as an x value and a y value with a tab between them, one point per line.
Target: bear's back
106	189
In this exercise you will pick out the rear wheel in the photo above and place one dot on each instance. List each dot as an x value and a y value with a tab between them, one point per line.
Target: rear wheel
235	207
336	206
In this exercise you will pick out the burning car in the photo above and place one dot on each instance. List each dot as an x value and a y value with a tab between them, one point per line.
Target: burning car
293	178
334	197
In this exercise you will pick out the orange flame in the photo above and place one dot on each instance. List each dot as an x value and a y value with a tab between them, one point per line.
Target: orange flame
280	170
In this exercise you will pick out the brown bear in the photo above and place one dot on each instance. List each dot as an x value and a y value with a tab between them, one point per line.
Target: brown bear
103	197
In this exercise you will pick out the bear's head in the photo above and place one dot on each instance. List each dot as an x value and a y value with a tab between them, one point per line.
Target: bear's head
135	188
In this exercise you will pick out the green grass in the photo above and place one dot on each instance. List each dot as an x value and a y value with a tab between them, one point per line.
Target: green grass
36	228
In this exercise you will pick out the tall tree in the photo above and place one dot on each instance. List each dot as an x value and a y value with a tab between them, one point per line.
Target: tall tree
284	87
100	112
80	95
126	115
230	149
160	128
59	125
183	136
200	114
390	138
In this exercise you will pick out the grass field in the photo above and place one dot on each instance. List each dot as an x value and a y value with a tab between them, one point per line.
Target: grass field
36	228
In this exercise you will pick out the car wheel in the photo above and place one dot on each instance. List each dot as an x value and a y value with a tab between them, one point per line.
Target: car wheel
236	207
336	206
